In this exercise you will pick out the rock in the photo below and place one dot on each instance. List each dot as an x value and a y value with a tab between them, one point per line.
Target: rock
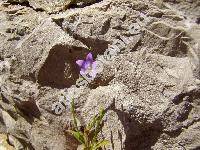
187	8
52	6
41	136
141	110
15	142
16	23
4	144
150	88
8	120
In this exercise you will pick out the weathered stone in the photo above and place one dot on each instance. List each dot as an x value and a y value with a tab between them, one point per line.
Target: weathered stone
150	89
15	142
51	6
4	144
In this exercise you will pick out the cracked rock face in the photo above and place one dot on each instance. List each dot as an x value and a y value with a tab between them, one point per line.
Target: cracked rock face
52	6
150	89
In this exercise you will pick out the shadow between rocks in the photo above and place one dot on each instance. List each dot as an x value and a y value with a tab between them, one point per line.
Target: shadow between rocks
82	5
138	136
60	69
96	45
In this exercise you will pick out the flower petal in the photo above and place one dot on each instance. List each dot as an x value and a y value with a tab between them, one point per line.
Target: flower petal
80	62
94	65
93	74
82	72
89	57
86	64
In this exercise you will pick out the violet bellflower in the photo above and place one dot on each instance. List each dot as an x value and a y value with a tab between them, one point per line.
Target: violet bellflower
88	67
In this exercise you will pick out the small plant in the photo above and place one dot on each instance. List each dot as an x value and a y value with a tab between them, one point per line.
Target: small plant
89	136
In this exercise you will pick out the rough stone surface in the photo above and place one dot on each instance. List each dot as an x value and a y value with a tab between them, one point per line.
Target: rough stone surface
4	144
150	89
52	6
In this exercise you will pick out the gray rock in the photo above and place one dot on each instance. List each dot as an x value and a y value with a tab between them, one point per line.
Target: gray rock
150	89
15	142
4	143
52	6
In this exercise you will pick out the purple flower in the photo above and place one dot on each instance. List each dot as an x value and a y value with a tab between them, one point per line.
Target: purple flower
88	67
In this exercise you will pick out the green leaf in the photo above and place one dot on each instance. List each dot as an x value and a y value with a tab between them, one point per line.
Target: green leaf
89	137
99	124
92	123
96	121
100	144
75	119
78	135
